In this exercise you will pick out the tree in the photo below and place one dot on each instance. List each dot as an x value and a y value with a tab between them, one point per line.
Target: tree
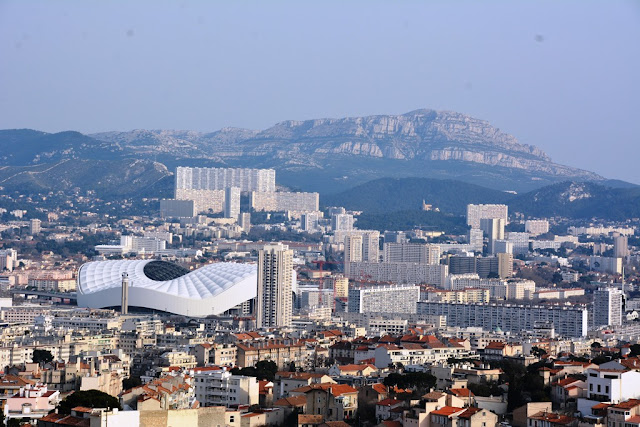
88	399
42	356
538	352
131	382
292	366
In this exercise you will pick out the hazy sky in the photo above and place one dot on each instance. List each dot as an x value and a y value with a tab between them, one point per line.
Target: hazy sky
562	75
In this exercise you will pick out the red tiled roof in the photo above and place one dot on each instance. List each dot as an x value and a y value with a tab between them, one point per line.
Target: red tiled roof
389	402
629	404
462	392
446	411
291	401
468	413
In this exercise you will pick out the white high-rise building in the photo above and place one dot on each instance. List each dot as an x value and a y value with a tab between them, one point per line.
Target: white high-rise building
607	307
477	212
244	221
309	221
423	253
275	284
520	242
620	246
188	178
342	222
536	227
476	239
352	251
232	202
34	226
384	299
494	229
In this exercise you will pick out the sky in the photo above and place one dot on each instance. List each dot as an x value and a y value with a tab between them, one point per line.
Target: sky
563	76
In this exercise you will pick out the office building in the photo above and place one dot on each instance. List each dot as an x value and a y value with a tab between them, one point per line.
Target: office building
188	178
275	284
487	267
477	212
462	264
283	201
342	222
421	253
34	226
608	307
536	227
384	299
569	322
231	202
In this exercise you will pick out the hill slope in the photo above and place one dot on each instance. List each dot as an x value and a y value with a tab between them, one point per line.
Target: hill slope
567	199
392	194
108	178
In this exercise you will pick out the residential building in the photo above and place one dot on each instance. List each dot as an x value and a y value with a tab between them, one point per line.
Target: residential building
221	178
421	253
174	208
282	201
274	301
384	299
398	272
477	212
568	321
221	388
536	227
608	307
231	202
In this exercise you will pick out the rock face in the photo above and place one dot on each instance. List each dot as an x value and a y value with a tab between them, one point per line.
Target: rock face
426	136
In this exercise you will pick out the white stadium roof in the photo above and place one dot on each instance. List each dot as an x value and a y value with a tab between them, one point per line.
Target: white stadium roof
161	285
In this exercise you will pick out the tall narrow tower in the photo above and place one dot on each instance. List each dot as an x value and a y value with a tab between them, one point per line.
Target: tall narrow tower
275	283
124	304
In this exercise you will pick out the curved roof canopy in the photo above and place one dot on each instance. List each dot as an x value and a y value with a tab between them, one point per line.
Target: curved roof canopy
161	285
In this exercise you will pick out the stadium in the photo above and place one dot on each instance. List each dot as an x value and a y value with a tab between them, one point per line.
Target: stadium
164	286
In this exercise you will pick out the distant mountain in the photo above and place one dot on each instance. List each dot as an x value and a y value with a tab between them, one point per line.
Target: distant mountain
108	178
324	155
328	155
578	200
22	147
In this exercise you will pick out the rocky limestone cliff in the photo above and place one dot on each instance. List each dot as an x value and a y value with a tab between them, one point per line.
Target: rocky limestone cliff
423	135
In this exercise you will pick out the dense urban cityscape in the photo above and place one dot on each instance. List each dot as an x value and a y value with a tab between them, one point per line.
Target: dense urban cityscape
319	213
180	317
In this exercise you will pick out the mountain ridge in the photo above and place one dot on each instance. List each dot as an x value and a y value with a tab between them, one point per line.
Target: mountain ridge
324	155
